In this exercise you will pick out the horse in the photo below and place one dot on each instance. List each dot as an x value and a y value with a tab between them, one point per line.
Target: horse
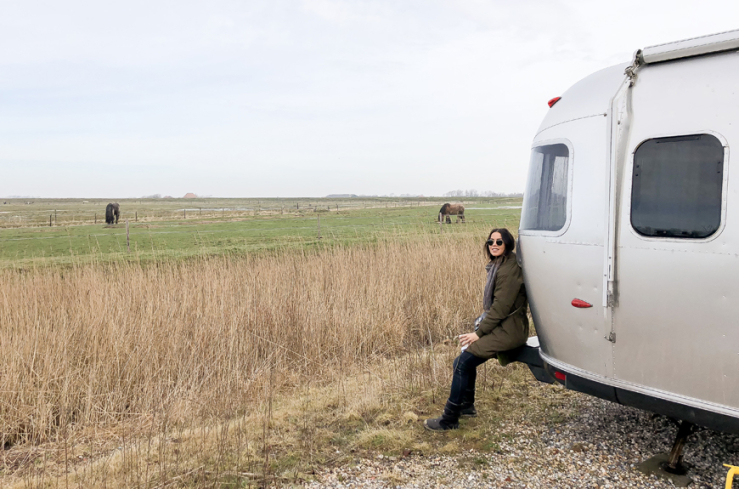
453	210
112	213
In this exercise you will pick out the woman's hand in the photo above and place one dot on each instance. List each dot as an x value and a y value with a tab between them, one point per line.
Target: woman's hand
468	339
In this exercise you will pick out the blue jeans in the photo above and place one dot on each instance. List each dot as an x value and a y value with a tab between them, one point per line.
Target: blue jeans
463	381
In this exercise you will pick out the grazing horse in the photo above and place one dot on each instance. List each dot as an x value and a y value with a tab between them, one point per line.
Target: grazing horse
112	213
453	210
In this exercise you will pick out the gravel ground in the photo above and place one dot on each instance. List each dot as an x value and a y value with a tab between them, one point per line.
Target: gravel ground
599	448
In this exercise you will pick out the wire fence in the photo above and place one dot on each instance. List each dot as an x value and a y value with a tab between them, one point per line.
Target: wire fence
40	214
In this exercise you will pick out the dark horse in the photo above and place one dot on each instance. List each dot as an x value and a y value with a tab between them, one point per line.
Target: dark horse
453	210
112	213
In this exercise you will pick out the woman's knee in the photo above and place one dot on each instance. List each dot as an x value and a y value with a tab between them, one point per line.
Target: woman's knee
465	363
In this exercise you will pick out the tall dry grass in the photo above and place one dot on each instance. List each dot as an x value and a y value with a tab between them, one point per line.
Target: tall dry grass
90	345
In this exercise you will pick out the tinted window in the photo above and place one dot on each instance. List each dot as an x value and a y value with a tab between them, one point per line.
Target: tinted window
545	200
677	184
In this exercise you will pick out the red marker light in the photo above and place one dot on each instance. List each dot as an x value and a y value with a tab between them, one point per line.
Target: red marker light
554	101
580	303
560	376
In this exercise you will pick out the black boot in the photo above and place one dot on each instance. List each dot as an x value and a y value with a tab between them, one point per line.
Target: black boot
448	421
468	411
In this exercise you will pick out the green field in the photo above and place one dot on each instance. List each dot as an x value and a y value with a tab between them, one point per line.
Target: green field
179	228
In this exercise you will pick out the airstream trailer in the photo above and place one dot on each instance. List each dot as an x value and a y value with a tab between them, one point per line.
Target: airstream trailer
629	236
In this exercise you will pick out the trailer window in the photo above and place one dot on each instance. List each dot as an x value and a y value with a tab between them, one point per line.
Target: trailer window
677	185
545	200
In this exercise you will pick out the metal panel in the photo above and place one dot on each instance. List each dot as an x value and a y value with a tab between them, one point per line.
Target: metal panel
677	304
680	407
558	269
590	97
555	273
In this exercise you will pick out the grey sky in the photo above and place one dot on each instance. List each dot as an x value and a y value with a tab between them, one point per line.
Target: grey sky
300	98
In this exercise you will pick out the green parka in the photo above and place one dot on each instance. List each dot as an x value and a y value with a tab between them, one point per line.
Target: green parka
506	325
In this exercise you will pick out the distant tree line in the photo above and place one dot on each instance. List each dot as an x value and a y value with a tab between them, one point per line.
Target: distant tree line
475	193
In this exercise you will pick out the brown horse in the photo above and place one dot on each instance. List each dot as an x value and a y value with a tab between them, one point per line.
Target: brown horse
451	210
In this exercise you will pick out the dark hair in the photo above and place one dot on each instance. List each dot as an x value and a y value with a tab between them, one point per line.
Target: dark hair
508	241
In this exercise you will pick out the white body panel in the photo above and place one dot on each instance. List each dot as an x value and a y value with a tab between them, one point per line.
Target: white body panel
675	311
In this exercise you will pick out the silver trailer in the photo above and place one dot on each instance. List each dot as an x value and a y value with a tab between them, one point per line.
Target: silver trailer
629	235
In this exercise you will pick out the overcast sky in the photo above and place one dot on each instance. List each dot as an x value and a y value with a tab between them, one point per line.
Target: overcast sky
300	98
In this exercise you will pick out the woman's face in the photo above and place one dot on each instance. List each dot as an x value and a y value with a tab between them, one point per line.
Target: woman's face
496	249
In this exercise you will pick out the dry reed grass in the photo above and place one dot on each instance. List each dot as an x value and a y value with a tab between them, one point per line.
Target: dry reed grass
87	347
369	411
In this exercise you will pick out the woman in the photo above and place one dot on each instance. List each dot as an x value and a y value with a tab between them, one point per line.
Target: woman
502	326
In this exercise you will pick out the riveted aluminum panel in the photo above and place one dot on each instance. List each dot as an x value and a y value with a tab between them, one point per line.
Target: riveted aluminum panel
590	97
560	267
676	319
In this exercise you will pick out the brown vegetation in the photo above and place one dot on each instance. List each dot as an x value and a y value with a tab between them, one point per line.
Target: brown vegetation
95	348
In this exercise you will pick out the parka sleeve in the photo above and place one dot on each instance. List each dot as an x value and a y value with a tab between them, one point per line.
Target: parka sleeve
507	285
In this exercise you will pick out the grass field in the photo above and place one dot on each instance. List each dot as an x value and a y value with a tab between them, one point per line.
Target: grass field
241	350
178	228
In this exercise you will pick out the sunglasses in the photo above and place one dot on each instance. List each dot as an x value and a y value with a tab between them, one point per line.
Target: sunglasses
491	242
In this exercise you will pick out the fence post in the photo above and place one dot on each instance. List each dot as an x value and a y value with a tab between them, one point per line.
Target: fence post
54	216
184	213
96	218
137	216
128	242
49	220
319	226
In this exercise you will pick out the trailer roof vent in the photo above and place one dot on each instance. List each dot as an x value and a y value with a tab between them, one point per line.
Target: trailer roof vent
553	101
723	41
